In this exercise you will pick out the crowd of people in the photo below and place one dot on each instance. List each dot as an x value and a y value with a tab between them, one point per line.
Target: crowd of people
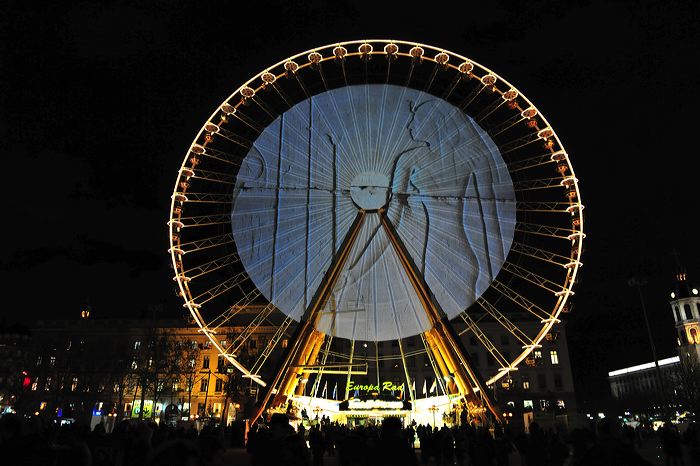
31	441
609	443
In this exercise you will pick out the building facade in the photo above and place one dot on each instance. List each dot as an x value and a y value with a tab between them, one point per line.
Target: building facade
672	383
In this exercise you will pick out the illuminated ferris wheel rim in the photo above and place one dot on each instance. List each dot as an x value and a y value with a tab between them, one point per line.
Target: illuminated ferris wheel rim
392	48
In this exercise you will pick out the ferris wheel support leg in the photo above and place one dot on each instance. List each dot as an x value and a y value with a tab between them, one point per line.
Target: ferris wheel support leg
308	340
443	341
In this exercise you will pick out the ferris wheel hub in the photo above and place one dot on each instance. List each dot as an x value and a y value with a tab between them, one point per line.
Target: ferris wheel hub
370	190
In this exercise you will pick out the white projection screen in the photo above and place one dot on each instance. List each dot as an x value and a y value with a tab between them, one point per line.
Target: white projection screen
438	176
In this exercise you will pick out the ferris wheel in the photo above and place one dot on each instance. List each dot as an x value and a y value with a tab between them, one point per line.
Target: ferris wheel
372	192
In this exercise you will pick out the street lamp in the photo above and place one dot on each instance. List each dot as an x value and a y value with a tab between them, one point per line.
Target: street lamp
433	408
638	282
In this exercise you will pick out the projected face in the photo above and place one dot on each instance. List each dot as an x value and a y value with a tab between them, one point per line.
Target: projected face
436	173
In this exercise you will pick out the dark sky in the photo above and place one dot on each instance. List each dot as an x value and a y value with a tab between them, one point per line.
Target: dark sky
100	101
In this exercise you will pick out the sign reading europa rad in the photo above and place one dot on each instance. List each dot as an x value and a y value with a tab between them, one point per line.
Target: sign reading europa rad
385	386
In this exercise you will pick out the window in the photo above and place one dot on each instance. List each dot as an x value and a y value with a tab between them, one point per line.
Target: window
285	342
676	314
542	382
527	404
526	383
204	384
192	363
205	362
554	357
137	345
220	366
223	343
557	381
176	386
38	361
200	408
74	385
134	365
561	404
47	385
537	354
544	405
207	344
115	389
52	361
35	384
686	314
219	385
68	345
252	343
217	408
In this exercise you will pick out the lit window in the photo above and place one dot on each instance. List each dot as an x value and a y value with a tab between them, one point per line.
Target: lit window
219	385
137	345
285	342
74	385
223	343
38	361
192	363
526	383
204	384
176	386
134	365
554	357
35	384
205	362
217	408
207	344
47	385
544	404
527	404
561	404
537	354
52	361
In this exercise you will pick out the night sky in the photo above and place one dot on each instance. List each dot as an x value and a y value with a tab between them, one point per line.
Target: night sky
100	101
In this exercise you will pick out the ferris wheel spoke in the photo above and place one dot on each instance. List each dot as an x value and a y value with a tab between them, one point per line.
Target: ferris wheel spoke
234	309
207	198
485	341
433	364
205	243
202	221
541	254
246	120
271	345
216	264
543	183
547	230
218	290
509	123
522	301
250	329
230	136
489	109
453	85
533	278
518	143
549	207
506	323
215	177
530	162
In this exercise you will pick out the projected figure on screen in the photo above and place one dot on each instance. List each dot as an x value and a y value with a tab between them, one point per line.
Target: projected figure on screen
448	199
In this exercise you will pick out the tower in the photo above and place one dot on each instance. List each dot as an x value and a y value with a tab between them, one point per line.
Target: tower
685	305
